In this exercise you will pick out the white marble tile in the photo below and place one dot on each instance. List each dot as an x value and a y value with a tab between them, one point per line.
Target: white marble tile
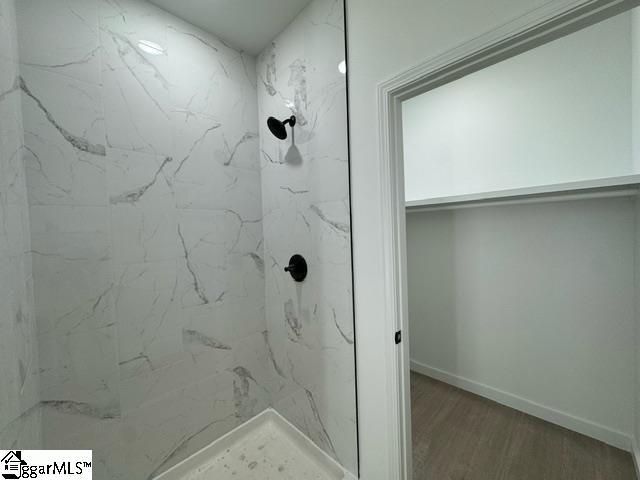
220	256
143	233
73	233
189	368
11	231
307	411
73	426
207	174
204	162
201	68
19	355
9	367
12	184
149	177
161	433
76	334
24	431
139	178
64	140
216	151
253	377
8	31
135	83
19	362
142	202
148	317
60	36
222	323
305	194
80	374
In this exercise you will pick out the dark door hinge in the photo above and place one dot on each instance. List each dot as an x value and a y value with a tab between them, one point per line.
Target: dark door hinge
398	337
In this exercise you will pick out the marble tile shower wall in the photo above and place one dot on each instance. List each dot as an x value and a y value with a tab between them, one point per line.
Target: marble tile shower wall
143	179
19	415
305	192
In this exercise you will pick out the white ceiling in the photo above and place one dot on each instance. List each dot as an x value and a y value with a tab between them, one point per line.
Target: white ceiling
247	25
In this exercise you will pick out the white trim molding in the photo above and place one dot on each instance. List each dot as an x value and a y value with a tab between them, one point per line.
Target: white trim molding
552	20
591	429
635	453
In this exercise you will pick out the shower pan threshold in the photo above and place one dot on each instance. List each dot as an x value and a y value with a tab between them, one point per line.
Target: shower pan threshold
266	447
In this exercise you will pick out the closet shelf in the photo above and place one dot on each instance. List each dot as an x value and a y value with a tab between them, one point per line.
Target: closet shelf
624	186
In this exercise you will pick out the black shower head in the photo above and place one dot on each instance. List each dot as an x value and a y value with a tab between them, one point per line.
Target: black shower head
278	128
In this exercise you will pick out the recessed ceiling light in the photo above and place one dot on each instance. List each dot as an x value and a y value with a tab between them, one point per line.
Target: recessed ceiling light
342	67
150	47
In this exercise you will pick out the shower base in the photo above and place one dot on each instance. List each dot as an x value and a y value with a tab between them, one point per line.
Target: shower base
267	447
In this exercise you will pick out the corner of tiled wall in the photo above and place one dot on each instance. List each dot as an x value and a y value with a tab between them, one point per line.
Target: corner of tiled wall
19	366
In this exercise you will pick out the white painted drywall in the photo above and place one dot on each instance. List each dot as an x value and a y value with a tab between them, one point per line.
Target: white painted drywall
522	283
635	45
635	87
558	113
244	25
536	301
384	39
636	426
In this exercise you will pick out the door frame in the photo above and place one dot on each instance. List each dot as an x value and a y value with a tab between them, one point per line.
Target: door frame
552	20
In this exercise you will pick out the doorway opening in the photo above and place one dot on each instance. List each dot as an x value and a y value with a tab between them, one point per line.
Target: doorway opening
512	170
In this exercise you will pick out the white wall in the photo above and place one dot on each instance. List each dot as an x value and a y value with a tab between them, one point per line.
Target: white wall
384	39
523	282
558	113
19	365
635	39
636	412
536	301
635	87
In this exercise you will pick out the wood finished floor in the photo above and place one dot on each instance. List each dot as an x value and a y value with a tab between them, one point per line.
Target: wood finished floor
460	436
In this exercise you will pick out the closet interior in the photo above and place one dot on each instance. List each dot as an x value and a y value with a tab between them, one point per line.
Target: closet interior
522	199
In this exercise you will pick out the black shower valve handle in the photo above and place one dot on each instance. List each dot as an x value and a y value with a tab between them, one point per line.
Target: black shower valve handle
297	268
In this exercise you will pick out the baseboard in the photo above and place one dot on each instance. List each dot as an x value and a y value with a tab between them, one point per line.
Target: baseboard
590	429
635	453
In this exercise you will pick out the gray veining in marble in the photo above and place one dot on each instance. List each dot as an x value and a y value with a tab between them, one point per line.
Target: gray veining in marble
298	82
342	226
70	407
270	75
146	217
135	195
195	281
193	336
77	142
272	357
305	203
242	383
146	233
